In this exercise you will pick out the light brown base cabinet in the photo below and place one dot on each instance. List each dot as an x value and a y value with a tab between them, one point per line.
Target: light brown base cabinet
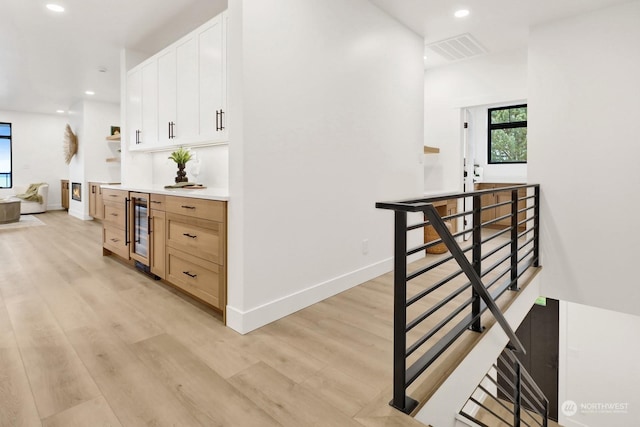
186	241
64	193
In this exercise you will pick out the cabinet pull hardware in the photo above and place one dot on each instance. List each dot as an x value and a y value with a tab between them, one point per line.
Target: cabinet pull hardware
115	240
189	274
93	189
189	235
126	221
113	195
148	225
155	201
188	207
169	131
114	214
217	125
221	119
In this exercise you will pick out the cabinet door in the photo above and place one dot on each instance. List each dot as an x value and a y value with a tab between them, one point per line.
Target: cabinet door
149	134
186	128
92	199
211	61
167	96
99	213
158	239
139	227
134	107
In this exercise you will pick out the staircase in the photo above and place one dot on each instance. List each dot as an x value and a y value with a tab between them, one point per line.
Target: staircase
455	312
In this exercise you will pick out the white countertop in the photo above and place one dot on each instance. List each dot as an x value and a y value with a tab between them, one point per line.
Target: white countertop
221	194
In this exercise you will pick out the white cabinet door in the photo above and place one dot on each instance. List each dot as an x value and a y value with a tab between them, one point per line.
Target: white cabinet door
187	91
149	134
134	108
211	59
167	96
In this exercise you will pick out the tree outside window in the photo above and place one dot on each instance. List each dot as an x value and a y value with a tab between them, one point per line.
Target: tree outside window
508	134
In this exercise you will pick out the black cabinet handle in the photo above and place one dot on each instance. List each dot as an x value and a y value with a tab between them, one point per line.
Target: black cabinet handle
188	207
189	274
115	240
189	235
221	120
218	126
126	221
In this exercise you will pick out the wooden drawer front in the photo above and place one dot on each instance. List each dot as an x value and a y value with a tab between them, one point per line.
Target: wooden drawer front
197	208
114	196
114	214
196	237
157	202
200	278
114	240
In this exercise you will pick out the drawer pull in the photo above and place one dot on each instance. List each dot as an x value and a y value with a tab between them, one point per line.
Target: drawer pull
189	274
115	240
155	201
188	207
114	214
113	195
189	235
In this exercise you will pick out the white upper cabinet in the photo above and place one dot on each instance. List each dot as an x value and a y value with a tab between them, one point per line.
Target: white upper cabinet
211	58
142	106
181	92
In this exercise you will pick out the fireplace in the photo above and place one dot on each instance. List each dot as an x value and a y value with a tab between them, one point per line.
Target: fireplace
76	191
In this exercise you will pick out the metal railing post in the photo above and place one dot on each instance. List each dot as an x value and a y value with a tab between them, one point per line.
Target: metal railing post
536	226
476	326
400	400
514	240
517	395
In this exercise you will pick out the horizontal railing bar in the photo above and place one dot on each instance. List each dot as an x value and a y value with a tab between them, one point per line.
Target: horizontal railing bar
495	250
496	265
493	221
420	365
497	279
417	205
500	387
472	419
526	374
416	321
525	232
489	410
496	234
433	243
488	393
526	255
422	294
418	343
430	267
534	406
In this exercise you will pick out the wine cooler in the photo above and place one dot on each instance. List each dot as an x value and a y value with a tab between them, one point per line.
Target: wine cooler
139	226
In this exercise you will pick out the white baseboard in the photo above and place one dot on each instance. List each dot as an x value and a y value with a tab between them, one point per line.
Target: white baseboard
79	215
249	320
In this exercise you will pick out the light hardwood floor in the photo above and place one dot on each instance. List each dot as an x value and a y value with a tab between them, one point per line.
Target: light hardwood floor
87	341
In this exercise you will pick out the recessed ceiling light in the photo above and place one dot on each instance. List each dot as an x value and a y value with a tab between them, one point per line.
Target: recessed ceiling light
55	7
461	13
60	111
90	92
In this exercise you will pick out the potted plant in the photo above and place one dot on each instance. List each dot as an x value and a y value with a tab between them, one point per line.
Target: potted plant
181	156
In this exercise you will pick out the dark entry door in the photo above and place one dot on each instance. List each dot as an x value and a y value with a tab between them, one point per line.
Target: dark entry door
539	333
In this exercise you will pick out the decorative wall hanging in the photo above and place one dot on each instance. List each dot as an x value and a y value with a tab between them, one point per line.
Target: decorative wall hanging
70	144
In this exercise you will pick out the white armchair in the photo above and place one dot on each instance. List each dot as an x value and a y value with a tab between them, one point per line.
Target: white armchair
29	207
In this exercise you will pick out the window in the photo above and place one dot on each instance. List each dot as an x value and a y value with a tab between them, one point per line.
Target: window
5	156
508	134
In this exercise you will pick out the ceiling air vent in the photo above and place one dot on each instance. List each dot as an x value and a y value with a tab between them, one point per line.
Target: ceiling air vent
457	48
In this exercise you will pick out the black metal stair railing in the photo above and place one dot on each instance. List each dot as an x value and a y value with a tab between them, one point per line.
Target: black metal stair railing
457	284
507	395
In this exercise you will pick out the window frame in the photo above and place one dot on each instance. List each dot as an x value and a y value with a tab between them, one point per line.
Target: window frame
10	138
498	126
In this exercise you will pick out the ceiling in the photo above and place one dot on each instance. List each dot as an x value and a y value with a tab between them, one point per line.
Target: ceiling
49	60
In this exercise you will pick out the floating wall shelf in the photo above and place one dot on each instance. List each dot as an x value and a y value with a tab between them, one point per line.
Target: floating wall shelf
431	150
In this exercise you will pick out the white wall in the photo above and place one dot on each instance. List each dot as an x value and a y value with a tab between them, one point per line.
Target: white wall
331	121
37	152
91	122
583	104
214	167
598	366
489	79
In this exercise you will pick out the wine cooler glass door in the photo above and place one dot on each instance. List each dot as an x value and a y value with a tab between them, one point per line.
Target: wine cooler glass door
140	241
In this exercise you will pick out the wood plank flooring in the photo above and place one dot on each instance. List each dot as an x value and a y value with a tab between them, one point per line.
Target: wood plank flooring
88	341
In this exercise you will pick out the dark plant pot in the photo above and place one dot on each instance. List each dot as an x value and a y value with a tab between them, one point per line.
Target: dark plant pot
182	175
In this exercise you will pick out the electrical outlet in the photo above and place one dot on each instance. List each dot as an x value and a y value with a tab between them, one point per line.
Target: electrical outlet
365	246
